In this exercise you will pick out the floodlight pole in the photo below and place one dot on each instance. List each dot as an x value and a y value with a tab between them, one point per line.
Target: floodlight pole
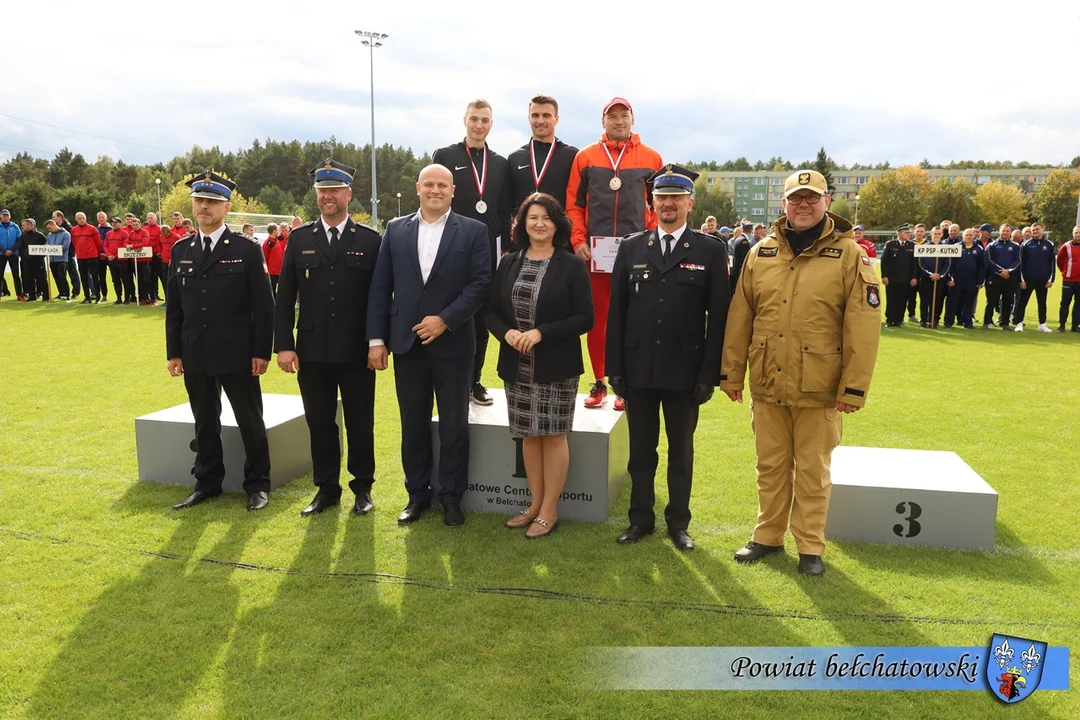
373	40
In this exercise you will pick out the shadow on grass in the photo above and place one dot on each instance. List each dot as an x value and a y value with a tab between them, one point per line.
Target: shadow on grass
945	563
141	649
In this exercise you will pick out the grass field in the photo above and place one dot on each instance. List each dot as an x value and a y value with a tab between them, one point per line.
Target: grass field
114	606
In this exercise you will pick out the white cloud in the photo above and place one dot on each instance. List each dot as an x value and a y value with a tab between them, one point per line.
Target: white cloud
870	82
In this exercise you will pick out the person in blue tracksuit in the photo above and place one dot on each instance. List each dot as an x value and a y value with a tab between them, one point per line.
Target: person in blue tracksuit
1002	277
10	235
58	263
1037	274
933	284
966	276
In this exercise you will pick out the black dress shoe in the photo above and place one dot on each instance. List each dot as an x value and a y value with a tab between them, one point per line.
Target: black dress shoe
321	502
633	534
363	504
452	515
258	500
682	539
811	565
755	551
194	499
413	511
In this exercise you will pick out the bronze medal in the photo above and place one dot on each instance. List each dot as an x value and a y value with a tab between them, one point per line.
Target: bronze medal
615	183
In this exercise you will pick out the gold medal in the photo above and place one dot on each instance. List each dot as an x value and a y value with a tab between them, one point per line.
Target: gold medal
481	207
615	183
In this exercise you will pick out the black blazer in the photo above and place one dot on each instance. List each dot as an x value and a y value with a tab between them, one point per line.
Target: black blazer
564	312
221	313
332	285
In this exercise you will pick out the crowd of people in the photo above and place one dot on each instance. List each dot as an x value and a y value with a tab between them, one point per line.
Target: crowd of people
1011	264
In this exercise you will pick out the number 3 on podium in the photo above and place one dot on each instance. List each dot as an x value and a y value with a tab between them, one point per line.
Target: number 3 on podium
913	527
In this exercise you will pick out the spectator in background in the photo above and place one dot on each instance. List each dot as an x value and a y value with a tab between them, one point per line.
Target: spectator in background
283	233
724	235
103	229
864	242
968	274
10	239
178	226
35	282
932	284
169	237
709	227
138	237
1027	233
954	235
740	245
1002	275
248	230
1068	262
120	269
274	252
913	296
72	264
87	241
297	221
154	231
1037	266
899	275
189	228
58	263
986	234
759	233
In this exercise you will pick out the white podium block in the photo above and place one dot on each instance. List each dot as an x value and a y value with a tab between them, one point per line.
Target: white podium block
910	497
165	443
599	451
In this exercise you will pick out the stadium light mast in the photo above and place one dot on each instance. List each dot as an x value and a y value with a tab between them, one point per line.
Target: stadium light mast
373	40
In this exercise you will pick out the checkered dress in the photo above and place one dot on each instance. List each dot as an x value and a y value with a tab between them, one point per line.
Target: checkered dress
536	409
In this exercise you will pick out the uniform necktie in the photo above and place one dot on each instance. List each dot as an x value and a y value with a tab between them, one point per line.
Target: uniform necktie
669	240
206	247
333	237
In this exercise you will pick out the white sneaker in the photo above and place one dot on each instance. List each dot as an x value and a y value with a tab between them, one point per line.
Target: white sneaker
1019	327
1043	328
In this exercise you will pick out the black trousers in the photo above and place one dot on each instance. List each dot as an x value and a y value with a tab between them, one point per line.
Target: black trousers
1022	298
680	419
1070	291
12	261
103	278
245	396
59	273
913	297
163	276
155	275
1000	294
931	300
273	283
962	300
146	289
481	346
73	273
34	281
88	271
123	282
896	299
417	378
319	386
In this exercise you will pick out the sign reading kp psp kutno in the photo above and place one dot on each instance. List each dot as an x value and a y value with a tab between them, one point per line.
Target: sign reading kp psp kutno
932	250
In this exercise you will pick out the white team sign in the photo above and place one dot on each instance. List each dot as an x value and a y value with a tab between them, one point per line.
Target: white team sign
932	250
44	250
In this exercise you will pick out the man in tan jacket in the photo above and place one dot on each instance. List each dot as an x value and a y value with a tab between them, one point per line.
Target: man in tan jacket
806	317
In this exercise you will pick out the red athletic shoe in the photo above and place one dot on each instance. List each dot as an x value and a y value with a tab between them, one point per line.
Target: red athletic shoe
620	404
596	395
21	298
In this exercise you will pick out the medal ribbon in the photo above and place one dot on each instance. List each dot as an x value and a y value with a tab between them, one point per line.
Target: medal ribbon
481	179
532	162
614	163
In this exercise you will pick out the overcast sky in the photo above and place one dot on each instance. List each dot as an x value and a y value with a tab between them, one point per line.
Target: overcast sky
708	80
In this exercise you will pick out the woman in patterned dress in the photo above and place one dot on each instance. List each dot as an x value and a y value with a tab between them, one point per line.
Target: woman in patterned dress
540	306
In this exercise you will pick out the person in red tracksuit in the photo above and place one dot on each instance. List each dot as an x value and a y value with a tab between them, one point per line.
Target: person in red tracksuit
168	239
154	231
274	252
1068	262
87	241
123	281
138	237
608	196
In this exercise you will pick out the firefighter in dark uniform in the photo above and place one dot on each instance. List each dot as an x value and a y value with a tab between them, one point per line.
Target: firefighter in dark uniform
899	274
219	333
328	265
665	333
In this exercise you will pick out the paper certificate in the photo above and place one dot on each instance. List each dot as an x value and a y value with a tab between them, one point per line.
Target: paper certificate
604	250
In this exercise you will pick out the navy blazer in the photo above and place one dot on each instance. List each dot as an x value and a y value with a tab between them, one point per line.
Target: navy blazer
455	290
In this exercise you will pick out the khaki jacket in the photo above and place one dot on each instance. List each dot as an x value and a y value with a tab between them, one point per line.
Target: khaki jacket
808	326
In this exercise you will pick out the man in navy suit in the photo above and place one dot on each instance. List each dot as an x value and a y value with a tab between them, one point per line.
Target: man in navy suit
431	277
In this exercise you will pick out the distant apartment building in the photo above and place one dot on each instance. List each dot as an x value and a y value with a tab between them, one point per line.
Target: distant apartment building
757	194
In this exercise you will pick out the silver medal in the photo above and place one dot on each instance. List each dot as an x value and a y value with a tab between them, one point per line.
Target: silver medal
481	207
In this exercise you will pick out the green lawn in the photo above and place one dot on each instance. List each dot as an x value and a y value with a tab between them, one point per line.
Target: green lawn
112	605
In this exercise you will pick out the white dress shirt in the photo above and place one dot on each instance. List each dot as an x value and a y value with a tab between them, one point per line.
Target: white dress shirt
428	238
340	228
214	237
661	232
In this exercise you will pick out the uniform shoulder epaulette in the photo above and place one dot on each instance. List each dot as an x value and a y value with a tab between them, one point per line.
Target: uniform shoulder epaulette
633	235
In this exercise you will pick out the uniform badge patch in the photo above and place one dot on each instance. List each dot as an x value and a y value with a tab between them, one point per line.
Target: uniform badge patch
307	252
768	252
873	297
804	178
866	261
832	252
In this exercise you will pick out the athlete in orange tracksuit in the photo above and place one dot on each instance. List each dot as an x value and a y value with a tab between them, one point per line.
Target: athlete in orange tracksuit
608	197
